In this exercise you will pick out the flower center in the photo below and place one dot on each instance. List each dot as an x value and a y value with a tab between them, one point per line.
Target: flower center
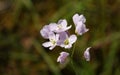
53	41
76	32
66	42
59	26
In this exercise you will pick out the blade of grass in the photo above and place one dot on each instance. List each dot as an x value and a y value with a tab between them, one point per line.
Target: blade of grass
110	59
47	58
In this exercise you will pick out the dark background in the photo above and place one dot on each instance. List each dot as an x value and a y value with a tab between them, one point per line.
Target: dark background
21	51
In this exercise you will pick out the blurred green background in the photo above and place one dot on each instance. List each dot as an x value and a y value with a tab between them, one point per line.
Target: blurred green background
21	51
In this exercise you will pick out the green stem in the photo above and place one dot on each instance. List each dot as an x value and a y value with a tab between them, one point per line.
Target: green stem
72	62
73	50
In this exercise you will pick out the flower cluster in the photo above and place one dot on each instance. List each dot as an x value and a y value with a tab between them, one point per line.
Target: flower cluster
57	35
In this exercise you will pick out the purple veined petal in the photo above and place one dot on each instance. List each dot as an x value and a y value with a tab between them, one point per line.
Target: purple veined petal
72	39
87	54
62	58
47	44
62	37
63	23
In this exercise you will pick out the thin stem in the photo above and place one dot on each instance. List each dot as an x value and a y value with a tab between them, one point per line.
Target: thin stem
73	50
72	61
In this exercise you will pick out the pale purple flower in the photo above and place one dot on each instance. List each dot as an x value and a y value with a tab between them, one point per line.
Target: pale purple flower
53	39
61	26
87	54
69	41
62	37
46	31
78	18
62	58
79	21
81	28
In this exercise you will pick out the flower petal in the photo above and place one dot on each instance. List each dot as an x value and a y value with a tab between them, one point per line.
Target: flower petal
63	23
75	19
52	37
81	28
52	47
47	44
68	46
67	28
53	26
72	39
45	32
57	37
87	54
62	58
82	18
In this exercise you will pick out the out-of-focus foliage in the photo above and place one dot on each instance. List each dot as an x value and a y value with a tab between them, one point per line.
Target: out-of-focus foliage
21	52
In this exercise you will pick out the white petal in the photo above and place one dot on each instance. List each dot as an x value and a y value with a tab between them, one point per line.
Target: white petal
68	46
62	45
52	47
57	37
72	39
47	44
58	59
67	28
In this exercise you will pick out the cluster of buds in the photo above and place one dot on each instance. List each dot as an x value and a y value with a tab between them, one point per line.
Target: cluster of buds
57	34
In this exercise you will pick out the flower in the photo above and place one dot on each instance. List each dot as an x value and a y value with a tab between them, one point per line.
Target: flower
53	39
62	58
79	23
81	28
77	18
87	54
62	37
46	31
69	41
61	26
